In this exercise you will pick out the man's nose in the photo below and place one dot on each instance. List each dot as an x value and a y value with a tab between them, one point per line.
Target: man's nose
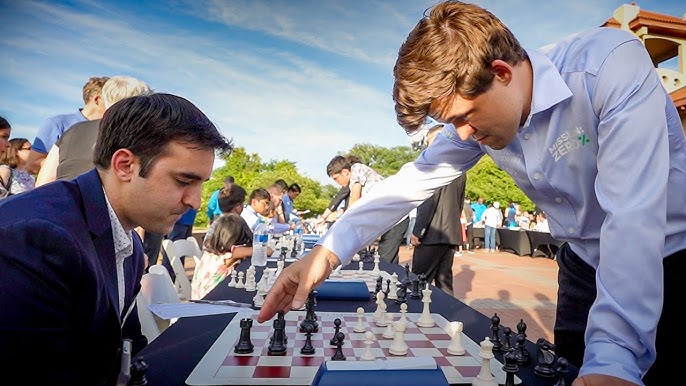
465	131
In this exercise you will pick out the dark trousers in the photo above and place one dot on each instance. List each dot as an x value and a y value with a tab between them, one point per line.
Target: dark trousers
436	262
577	291
389	243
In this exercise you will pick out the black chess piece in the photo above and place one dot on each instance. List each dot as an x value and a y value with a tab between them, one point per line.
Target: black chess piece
495	333
337	328
507	347
523	355
278	342
138	370
294	251
406	280
310	316
545	358
562	370
521	328
244	345
422	281
379	285
284	251
510	368
402	293
307	349
415	294
338	354
388	288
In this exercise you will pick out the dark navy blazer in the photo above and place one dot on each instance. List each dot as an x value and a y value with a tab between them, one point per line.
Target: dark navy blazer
59	307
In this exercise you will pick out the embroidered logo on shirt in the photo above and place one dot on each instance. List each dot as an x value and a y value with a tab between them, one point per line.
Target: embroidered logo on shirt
568	141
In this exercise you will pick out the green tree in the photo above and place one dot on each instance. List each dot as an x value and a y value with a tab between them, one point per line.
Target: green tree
487	180
386	161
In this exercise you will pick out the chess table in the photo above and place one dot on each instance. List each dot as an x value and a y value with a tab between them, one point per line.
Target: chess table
174	355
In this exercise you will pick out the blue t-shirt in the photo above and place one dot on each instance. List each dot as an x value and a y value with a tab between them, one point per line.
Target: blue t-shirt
52	129
188	218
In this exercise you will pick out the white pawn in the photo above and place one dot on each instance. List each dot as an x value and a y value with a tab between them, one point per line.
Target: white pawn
360	271
279	267
403	313
368	340
250	284
455	347
378	314
240	283
360	327
232	282
485	377
376	271
389	332
425	320
383	321
398	347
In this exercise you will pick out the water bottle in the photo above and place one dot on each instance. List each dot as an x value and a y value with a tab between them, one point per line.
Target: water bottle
260	240
298	234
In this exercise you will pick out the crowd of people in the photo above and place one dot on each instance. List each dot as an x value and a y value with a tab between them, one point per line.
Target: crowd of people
125	171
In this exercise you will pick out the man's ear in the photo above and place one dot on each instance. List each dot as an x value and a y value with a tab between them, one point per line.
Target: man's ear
125	165
502	71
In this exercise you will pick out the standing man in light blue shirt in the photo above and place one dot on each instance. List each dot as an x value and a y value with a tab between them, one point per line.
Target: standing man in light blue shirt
589	133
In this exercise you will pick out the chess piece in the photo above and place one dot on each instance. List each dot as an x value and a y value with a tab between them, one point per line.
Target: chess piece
244	345
310	316
338	354
455	347
403	313
422	281
277	346
389	331
240	283
510	368
523	355
485	377
360	270
406	280
495	333
232	282
379	285
138	369
377	259
545	358
279	268
401	293
294	250
398	347
250	284
308	349
507	333
393	290
425	319
562	370
337	328
368	340
359	326
378	314
415	294
521	328
388	287
383	320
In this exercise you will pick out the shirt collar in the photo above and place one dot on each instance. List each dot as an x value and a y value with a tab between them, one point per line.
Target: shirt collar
549	88
123	241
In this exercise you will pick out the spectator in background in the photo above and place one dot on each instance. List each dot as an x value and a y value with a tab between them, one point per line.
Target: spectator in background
5	131
72	154
53	128
230	200
492	219
511	216
287	201
341	198
478	207
183	228
213	210
13	173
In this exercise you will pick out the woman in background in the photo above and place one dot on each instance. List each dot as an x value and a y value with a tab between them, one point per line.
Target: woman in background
13	173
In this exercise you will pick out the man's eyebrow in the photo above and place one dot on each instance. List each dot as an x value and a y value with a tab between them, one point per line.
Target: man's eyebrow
191	176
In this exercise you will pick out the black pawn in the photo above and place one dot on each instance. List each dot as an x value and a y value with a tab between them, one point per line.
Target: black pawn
415	294
337	328
562	370
523	356
338	355
545	358
294	251
244	345
495	333
388	288
138	369
507	333
510	368
406	280
307	349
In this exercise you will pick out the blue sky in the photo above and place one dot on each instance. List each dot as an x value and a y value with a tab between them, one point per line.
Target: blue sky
297	80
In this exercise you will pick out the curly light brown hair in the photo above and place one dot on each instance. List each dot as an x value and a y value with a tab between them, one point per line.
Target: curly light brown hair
449	51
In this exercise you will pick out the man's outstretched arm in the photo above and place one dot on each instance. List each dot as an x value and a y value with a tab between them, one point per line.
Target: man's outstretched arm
296	281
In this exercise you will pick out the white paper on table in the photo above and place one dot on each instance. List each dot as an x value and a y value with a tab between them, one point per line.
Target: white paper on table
180	310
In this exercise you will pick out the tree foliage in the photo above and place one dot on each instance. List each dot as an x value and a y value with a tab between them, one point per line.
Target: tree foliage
386	161
487	180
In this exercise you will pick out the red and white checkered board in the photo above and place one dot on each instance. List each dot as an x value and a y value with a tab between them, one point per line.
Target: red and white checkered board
221	366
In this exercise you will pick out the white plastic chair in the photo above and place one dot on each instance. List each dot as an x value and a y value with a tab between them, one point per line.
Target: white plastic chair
156	287
183	285
188	247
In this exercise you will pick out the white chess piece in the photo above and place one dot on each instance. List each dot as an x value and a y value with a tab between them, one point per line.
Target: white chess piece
337	271
368	340
279	267
262	291
376	271
383	319
398	347
232	282
360	327
389	332
425	320
378	314
455	347
485	377
360	271
250	284
403	313
393	289
240	283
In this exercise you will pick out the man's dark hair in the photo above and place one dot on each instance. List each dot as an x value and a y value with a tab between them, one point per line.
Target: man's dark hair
295	188
4	124
260	194
146	124
282	184
231	197
338	163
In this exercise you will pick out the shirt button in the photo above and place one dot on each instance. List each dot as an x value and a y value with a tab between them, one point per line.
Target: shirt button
526	136
537	176
558	200
570	230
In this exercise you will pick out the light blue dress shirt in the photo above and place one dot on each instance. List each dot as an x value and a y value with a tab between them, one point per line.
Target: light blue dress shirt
603	154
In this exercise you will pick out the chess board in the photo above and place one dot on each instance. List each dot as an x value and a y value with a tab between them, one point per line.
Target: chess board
352	275
221	366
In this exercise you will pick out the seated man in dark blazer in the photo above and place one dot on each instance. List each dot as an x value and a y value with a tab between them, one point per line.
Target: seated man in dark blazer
71	265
